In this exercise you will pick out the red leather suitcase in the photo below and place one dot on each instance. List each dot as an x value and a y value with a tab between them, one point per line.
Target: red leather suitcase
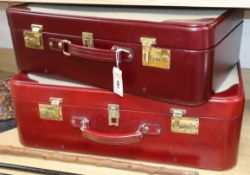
91	120
176	55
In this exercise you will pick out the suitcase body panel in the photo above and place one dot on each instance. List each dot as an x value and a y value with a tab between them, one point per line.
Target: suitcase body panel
218	137
195	46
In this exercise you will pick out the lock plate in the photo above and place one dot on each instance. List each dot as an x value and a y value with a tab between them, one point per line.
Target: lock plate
185	125
154	56
33	38
52	111
87	39
113	114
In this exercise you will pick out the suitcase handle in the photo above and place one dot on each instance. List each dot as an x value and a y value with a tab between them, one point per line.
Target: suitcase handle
92	53
116	139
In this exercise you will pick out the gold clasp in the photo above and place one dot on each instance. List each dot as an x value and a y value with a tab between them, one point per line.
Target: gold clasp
52	111
113	114
154	56
181	124
33	38
87	39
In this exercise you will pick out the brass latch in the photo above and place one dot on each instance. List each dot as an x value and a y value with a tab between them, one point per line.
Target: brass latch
52	111
154	56
113	115
33	38
181	124
87	39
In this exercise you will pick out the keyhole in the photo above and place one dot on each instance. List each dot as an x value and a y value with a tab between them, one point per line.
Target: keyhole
114	120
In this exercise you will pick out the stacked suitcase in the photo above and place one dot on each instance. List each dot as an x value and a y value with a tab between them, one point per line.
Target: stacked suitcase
183	97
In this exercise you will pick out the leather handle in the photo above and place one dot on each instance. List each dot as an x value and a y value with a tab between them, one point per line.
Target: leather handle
115	139
92	53
110	139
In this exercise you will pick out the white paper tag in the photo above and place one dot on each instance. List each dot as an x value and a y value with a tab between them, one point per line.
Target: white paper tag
117	81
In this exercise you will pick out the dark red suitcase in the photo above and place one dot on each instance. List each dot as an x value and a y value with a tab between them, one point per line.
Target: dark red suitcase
96	121
176	55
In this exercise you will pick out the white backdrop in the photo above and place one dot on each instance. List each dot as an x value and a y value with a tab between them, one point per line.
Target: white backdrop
5	39
245	42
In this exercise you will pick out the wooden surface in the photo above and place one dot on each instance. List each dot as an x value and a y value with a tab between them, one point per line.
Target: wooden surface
7	60
181	3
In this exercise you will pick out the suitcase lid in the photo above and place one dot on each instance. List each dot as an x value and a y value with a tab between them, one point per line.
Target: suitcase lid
48	80
150	14
180	28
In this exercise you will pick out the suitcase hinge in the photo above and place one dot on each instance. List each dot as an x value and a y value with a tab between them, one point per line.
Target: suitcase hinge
154	56
52	111
113	114
181	124
87	39
33	38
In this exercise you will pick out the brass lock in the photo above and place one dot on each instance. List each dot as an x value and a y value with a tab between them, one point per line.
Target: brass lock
154	56
113	114
181	124
52	111
87	39
33	38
